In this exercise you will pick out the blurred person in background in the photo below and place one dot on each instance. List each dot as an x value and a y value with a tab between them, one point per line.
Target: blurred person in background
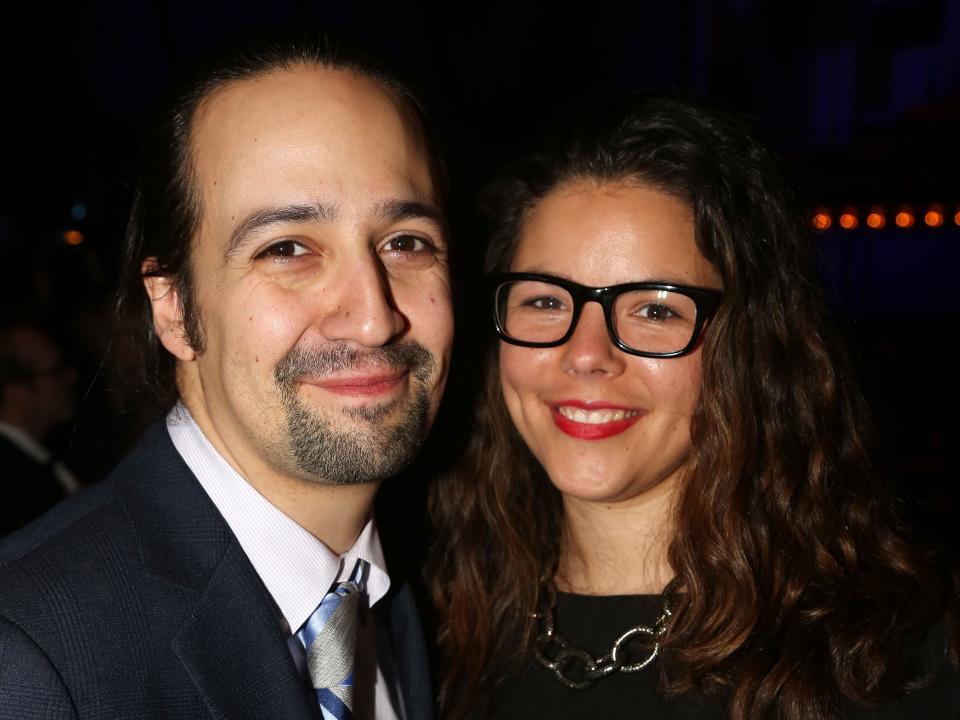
37	394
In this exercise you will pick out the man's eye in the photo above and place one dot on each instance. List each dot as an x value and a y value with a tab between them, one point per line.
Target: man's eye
283	249
406	244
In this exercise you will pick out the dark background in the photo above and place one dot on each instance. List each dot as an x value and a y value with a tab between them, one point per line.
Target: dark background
862	98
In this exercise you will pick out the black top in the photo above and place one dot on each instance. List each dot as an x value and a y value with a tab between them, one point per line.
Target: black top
594	622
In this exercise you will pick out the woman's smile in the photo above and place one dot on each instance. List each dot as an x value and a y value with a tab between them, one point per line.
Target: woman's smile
592	420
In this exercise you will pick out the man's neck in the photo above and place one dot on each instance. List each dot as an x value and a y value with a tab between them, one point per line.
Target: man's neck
334	514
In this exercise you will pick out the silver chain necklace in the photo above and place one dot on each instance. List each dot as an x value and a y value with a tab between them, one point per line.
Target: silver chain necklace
576	668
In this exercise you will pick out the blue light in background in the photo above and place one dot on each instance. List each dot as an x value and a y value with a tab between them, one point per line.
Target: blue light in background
79	211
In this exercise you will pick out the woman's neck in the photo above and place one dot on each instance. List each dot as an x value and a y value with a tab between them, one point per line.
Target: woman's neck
617	549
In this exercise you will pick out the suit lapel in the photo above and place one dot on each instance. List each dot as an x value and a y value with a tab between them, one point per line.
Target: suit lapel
235	650
233	646
403	654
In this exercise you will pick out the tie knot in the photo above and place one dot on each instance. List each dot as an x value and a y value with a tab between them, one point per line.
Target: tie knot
329	636
357	582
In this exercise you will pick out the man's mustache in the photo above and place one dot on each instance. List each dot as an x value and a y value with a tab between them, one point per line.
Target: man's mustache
339	357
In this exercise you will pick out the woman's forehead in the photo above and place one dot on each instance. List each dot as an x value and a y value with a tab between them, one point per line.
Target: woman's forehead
609	233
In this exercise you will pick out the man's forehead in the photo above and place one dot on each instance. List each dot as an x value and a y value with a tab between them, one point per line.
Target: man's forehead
303	119
281	99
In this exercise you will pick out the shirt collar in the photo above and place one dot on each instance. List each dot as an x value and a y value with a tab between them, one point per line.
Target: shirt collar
296	567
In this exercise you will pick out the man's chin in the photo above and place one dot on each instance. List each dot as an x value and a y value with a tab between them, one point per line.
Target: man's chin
362	445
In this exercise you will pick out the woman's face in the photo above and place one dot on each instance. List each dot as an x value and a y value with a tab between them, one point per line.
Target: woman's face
605	425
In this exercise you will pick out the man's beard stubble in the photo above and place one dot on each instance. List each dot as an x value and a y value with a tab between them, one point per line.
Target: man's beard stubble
327	454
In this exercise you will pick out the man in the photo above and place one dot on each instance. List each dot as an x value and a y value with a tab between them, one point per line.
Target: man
36	395
288	232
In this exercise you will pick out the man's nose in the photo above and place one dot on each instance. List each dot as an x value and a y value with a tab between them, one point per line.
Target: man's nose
360	307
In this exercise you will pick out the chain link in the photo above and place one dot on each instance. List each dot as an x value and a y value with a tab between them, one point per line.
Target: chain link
576	668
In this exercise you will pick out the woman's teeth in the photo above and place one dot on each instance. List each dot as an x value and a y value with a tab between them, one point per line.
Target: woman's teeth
595	417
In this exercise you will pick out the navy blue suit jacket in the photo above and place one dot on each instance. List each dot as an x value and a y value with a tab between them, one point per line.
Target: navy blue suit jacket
135	600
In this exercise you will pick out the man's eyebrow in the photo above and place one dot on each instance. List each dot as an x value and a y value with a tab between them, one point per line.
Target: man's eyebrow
311	212
411	210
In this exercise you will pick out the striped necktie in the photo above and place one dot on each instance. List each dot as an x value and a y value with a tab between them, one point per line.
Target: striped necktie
330	636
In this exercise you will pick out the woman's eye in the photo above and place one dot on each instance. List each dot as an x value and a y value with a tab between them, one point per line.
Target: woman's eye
657	313
283	249
545	302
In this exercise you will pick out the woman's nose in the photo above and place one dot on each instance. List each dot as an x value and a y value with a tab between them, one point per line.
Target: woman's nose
590	349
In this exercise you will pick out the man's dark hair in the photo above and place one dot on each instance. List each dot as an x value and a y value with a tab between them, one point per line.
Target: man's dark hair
166	210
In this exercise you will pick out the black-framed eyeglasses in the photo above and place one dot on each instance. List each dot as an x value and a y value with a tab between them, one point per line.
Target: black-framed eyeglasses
649	319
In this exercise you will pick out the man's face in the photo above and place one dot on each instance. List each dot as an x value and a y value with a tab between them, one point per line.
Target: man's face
320	274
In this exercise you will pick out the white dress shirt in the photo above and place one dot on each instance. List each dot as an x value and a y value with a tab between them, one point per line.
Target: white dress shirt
296	568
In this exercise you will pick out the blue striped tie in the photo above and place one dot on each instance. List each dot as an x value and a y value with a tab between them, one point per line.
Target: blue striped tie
330	636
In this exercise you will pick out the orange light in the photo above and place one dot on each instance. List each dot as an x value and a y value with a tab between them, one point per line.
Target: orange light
822	221
956	218
876	219
904	219
934	216
73	237
848	220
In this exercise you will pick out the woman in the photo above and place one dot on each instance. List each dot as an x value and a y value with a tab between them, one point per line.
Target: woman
670	451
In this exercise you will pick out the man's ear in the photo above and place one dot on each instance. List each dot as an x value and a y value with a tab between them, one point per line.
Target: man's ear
167	313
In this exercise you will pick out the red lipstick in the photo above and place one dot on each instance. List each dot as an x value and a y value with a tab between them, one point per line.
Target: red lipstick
593	431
